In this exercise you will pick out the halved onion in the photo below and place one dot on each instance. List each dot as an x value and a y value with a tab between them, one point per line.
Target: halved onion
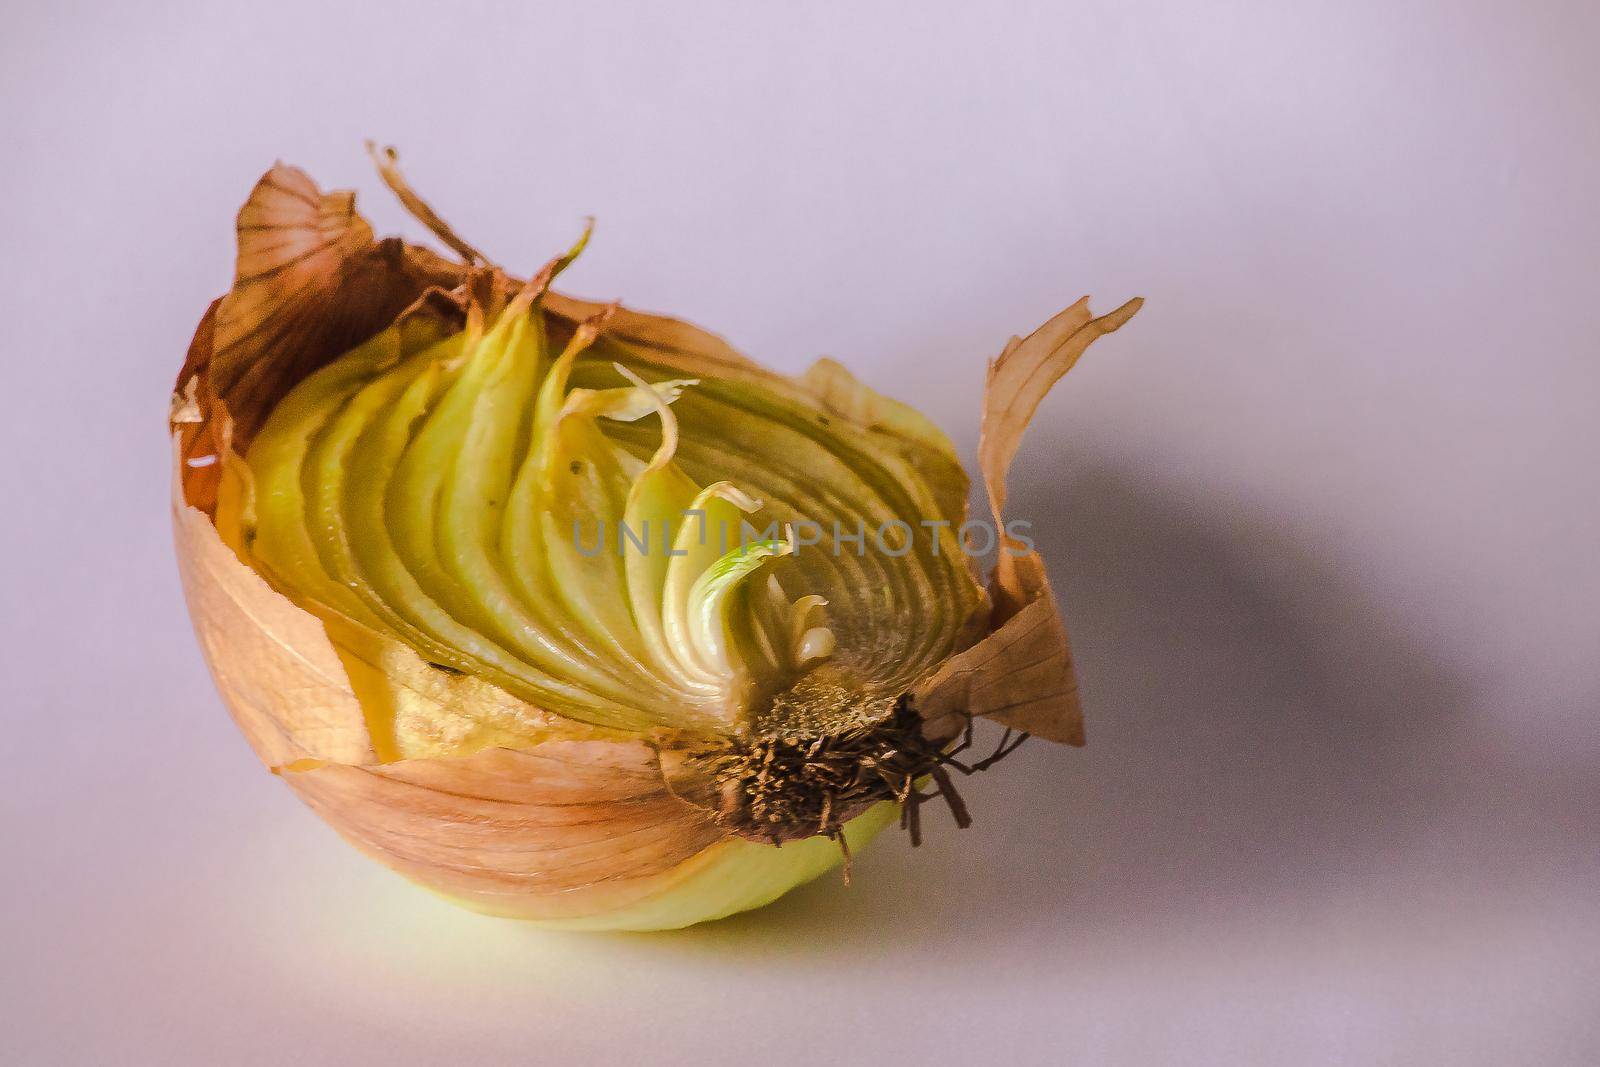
572	613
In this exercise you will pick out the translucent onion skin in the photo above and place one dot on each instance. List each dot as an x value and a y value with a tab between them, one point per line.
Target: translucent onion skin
506	792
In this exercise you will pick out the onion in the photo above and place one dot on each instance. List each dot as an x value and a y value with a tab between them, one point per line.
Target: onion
558	609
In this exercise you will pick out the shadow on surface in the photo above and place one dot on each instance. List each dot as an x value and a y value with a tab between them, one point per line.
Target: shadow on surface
1255	726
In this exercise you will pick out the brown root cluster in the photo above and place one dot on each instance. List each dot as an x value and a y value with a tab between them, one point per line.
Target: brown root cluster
777	788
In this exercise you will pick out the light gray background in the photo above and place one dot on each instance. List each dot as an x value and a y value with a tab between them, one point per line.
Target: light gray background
1323	518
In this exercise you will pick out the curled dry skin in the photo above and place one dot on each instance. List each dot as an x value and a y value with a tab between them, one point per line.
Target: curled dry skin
395	475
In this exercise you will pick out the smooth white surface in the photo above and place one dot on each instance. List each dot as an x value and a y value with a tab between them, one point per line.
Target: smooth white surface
1324	518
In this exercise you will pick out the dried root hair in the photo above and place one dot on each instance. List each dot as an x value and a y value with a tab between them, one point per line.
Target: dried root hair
775	789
